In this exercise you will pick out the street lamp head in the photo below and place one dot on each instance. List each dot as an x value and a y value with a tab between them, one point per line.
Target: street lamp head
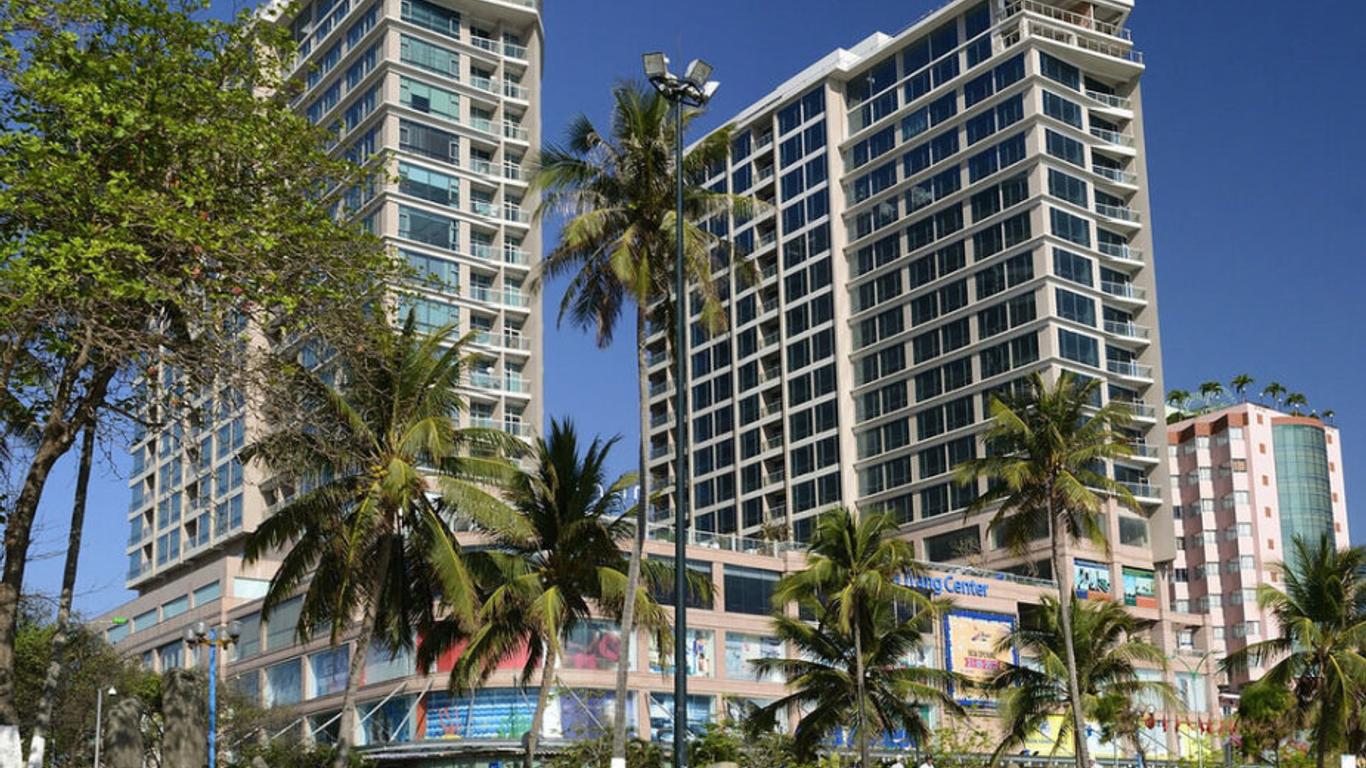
709	90
201	630
697	74
111	692
234	630
190	636
656	65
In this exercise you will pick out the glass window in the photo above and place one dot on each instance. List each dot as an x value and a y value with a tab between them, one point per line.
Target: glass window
1069	188
282	623
1062	109
284	683
742	648
1070	266
1075	307
328	671
1065	148
1082	349
749	590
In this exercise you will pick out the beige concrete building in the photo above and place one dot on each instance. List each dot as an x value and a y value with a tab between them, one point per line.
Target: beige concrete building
1245	481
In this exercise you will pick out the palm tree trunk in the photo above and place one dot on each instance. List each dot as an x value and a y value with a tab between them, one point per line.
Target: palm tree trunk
1065	611
859	688
347	727
38	741
628	610
547	677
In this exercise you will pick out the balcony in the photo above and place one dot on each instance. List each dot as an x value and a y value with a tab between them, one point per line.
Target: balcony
515	132
1130	370
136	536
485	43
659	451
1139	410
482	167
1140	449
1115	175
1068	37
515	91
1123	290
659	419
516	384
773	442
1121	251
516	215
1127	330
484	208
1145	493
1118	213
655	357
766	239
1067	17
484	380
483	83
513	51
774	478
138	570
763	173
482	251
1110	100
483	125
1113	137
513	172
514	255
658	388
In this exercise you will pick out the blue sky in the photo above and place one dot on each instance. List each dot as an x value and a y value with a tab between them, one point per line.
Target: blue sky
1257	176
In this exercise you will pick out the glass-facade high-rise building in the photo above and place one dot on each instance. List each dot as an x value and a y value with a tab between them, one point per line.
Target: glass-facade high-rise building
946	211
443	99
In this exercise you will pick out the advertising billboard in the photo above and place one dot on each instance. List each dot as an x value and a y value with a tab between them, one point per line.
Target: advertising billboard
1091	580
972	648
1140	588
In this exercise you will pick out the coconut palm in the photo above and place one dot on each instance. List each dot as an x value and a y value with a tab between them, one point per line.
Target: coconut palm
548	568
1274	390
854	567
1296	401
617	247
382	466
1328	414
1045	473
1211	391
1110	648
1179	399
1318	656
1240	383
836	685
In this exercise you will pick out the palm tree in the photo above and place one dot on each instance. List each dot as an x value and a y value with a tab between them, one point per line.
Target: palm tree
854	567
382	466
1274	390
617	191
1045	472
1109	646
549	567
836	686
1240	383
1296	401
1178	399
1211	391
1319	653
1328	414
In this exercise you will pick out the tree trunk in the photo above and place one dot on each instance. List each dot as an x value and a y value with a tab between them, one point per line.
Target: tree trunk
859	688
58	433
347	727
1065	612
38	741
547	677
628	610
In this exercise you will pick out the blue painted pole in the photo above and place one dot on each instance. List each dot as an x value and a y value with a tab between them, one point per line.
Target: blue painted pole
213	698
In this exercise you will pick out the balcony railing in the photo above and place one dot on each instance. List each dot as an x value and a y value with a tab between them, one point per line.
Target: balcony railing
1123	290
768	238
1141	449
514	255
1127	330
1068	37
1109	99
1115	174
515	131
1132	370
485	43
484	208
514	51
658	451
516	384
483	83
763	173
482	166
515	214
513	172
659	419
1139	410
1142	490
1113	137
482	251
658	388
515	91
482	124
1117	212
726	542
1068	17
1122	251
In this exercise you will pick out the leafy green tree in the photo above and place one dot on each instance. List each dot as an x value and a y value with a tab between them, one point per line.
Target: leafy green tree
547	568
617	191
1274	390
1267	720
157	193
1240	383
383	469
1044	472
1211	391
1318	655
597	753
854	579
1109	646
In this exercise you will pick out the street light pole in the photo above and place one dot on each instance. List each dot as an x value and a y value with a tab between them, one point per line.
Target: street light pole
99	721
199	635
694	89
1200	752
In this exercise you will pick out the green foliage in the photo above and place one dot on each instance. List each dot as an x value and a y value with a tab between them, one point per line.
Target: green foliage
852	667
1109	644
719	743
90	664
597	753
1318	656
157	195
